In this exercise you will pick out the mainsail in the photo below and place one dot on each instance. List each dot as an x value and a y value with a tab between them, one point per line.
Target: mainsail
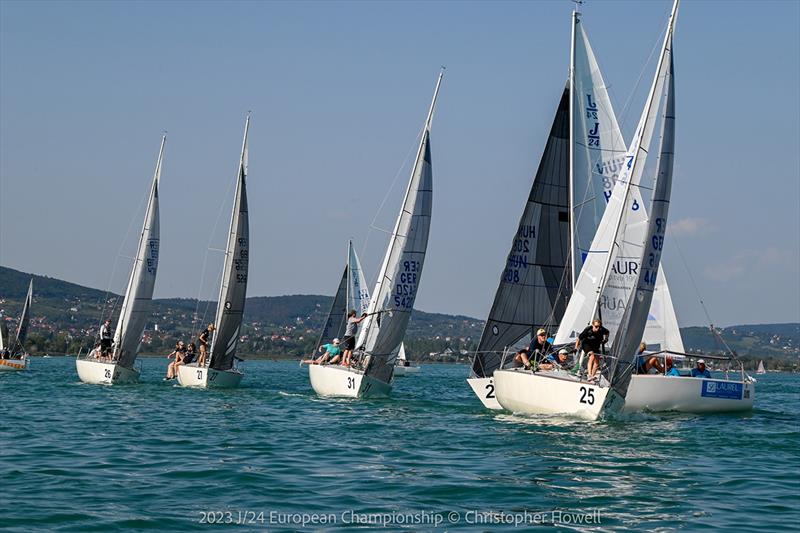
233	287
139	292
633	322
18	346
396	287
533	277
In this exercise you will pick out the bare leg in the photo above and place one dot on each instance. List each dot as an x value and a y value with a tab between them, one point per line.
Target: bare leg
592	366
336	359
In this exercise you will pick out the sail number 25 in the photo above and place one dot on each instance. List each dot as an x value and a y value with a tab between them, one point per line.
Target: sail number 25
587	395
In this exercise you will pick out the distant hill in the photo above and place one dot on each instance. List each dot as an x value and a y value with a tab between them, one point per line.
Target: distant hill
66	317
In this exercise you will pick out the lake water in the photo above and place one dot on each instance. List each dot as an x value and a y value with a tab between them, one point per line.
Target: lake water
272	455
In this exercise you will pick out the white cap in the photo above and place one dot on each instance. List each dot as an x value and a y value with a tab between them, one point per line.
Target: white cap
564	351
701	362
336	340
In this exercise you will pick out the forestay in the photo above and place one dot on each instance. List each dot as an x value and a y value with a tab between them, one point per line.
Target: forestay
396	287
233	287
139	292
533	287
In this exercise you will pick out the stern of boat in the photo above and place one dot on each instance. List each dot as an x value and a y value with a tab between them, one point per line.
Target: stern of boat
104	372
194	376
14	365
339	381
484	390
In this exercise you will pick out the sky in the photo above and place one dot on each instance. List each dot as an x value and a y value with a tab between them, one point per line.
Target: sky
338	93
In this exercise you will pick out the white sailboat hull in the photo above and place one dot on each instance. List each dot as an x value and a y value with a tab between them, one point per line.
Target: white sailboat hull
14	365
193	376
105	373
484	390
334	380
525	392
688	395
402	371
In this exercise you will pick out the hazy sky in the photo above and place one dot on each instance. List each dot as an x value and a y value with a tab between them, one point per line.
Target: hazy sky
338	92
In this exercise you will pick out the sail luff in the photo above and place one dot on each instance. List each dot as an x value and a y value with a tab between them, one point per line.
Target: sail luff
233	285
573	261
141	283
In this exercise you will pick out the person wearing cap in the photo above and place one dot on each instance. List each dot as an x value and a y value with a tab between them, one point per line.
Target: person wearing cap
700	370
331	350
203	339
591	340
558	361
671	370
539	345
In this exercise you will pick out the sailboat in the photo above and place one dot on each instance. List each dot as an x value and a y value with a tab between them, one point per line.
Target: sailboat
578	170
17	357
351	293
761	369
136	305
220	370
523	391
403	366
395	289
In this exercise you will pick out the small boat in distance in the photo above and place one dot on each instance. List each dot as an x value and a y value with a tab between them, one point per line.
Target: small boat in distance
402	366
98	368
220	369
14	357
761	369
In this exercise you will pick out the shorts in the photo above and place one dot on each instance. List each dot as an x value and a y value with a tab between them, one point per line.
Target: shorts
188	359
105	344
348	343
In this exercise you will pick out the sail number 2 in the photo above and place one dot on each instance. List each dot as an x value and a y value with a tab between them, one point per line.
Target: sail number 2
587	395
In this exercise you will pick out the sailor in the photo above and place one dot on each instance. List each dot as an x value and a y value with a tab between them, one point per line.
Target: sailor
592	339
204	338
331	350
349	341
105	339
671	370
539	345
646	362
700	370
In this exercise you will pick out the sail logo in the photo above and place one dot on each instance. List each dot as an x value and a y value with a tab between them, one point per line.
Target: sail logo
152	261
721	389
593	136
591	107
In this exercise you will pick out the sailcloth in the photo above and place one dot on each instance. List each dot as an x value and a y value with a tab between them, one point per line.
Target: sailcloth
352	293
635	317
18	345
533	278
233	287
605	281
142	281
396	287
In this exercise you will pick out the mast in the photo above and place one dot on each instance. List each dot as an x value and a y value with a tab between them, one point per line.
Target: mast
571	195
633	155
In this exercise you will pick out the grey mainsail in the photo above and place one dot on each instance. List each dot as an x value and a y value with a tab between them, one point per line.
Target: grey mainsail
18	346
634	319
233	287
139	292
396	287
534	273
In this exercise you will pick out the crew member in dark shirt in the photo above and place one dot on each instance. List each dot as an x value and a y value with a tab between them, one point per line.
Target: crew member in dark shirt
539	346
591	340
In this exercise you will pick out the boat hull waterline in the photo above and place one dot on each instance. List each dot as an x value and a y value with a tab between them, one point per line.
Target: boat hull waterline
202	377
105	373
334	380
526	392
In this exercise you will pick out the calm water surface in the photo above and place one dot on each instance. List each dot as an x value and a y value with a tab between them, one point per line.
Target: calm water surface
155	456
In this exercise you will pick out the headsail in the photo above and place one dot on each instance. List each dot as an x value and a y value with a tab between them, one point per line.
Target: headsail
233	287
396	287
139	292
533	277
633	322
18	346
334	324
357	290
